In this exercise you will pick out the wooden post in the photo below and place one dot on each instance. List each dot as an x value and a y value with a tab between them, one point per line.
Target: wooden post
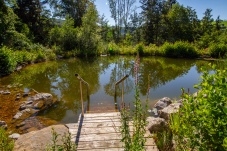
122	92
81	97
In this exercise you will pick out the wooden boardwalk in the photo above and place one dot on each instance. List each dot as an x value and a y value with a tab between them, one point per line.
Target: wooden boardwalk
101	132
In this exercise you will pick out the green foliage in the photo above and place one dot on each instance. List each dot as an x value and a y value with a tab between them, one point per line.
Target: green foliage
179	49
136	141
17	40
140	48
113	48
8	62
67	145
6	144
201	123
217	50
163	140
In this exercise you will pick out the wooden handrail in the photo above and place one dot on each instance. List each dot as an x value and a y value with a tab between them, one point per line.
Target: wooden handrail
122	94
81	93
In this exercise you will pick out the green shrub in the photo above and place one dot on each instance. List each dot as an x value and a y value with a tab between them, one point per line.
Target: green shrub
140	48
67	144
152	50
17	40
201	123
8	62
179	49
217	50
6	144
113	48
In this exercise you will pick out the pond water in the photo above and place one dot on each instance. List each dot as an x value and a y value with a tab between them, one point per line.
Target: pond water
167	77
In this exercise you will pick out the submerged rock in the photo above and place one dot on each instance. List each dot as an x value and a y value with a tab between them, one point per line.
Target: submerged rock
39	140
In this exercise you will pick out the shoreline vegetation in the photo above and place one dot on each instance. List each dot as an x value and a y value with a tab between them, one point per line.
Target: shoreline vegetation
15	60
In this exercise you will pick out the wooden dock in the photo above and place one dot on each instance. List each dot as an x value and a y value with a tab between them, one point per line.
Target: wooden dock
101	132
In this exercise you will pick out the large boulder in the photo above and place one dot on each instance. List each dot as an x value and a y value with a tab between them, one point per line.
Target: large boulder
172	108
162	103
39	140
156	124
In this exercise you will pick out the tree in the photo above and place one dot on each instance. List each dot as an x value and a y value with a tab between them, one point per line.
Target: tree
73	8
180	25
32	13
88	35
207	21
104	28
152	14
120	12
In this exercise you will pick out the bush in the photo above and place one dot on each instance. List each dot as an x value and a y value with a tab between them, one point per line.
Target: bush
153	50
8	62
179	49
113	48
140	49
17	40
217	50
201	123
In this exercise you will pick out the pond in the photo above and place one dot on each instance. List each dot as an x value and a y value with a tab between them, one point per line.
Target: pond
164	76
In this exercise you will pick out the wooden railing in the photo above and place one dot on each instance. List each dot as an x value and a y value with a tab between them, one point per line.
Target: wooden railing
122	91
81	93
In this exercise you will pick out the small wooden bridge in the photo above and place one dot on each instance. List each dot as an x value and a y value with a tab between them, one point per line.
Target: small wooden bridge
101	131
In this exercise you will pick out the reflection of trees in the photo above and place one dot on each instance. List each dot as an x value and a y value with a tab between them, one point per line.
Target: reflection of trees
120	68
59	79
205	65
161	70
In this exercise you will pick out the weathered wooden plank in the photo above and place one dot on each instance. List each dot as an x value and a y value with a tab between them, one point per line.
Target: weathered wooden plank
106	149
101	118
102	114
108	144
105	124
105	136
98	130
147	148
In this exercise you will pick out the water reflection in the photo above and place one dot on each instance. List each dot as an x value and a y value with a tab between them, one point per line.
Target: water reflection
167	77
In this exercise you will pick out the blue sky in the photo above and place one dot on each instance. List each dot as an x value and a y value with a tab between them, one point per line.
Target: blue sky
219	7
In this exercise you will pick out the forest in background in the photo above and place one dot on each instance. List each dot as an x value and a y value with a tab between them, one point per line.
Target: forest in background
39	30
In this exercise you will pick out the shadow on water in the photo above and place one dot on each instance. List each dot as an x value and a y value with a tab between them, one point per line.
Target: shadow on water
167	77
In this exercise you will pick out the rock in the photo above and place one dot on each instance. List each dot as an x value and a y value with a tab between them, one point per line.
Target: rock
24	114
14	136
3	124
172	108
25	94
6	93
39	105
17	98
39	140
162	103
34	104
22	107
156	124
20	124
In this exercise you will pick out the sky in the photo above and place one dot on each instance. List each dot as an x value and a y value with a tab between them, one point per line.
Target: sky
219	7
